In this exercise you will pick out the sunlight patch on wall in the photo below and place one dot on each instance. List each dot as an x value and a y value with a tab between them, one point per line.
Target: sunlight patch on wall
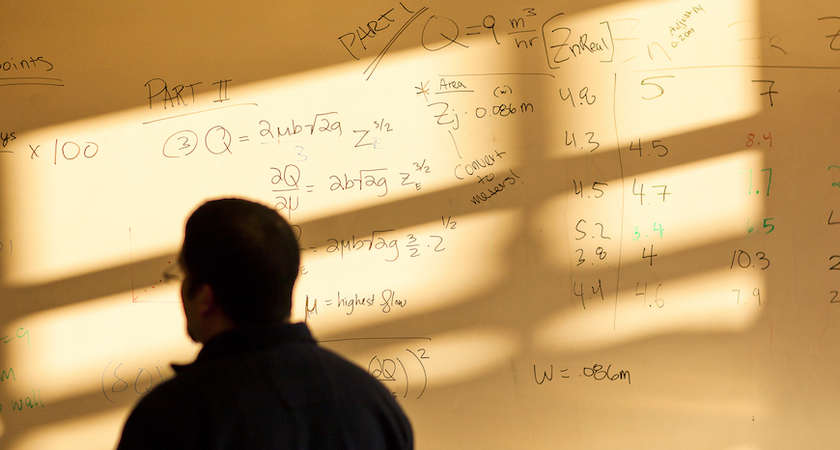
86	343
707	303
447	359
649	213
468	353
741	184
335	296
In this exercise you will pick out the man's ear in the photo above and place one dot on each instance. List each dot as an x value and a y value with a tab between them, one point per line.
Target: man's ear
205	300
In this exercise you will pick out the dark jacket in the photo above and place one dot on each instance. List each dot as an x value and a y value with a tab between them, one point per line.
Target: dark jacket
268	388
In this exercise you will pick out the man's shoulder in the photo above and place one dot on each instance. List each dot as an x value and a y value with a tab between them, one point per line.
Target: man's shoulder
166	396
159	417
306	382
286	367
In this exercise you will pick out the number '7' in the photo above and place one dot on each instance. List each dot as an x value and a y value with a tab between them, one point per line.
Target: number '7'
646	82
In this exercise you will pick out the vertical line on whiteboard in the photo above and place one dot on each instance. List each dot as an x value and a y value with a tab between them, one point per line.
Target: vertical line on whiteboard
455	144
621	173
131	273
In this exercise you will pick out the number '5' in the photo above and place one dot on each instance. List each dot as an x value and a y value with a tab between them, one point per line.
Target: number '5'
767	224
647	82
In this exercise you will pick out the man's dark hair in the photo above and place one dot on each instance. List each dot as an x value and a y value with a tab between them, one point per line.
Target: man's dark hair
249	256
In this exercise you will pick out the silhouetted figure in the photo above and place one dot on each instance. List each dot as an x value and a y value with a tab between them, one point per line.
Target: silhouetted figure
259	382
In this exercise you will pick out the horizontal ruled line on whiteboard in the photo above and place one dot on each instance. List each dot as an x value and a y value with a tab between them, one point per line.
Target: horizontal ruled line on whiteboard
30	83
198	112
497	73
398	338
741	66
30	78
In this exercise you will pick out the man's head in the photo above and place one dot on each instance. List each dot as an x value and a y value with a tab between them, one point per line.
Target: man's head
240	261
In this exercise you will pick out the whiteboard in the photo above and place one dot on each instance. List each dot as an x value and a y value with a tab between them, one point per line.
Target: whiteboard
607	224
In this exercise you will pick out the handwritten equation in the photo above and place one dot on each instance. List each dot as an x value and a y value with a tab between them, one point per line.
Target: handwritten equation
595	372
388	244
385	301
